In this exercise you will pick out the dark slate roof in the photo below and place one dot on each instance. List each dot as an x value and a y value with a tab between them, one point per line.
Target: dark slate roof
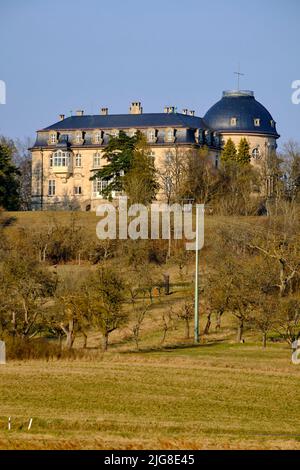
126	121
243	106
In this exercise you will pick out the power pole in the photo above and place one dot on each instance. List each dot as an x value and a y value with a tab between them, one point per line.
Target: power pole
196	315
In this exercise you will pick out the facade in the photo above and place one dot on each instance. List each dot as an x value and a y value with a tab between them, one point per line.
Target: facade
67	153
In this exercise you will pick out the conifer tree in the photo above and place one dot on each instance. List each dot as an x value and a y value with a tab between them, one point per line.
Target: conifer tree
229	154
243	153
9	185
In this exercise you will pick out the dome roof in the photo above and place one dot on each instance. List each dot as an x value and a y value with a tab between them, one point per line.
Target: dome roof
238	111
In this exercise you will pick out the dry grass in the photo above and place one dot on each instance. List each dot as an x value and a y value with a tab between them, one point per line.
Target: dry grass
211	396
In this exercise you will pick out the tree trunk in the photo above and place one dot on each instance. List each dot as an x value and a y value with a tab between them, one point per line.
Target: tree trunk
84	340
105	341
167	283
218	321
240	331
264	340
207	326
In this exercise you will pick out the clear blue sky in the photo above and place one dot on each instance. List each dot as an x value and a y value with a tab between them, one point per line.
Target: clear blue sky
58	56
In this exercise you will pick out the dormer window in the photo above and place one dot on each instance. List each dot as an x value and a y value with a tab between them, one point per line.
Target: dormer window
114	133
79	138
257	122
272	123
53	138
170	135
98	137
151	135
233	121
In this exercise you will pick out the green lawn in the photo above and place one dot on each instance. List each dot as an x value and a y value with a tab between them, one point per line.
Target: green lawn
212	396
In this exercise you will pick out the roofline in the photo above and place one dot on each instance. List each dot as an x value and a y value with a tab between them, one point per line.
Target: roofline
276	135
124	127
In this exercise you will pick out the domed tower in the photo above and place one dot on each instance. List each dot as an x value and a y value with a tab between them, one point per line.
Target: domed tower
238	115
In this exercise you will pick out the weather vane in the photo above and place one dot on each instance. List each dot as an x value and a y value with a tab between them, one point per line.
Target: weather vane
239	74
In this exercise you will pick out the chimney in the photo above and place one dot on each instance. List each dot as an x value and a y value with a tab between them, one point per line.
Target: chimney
169	109
104	111
185	111
136	108
61	117
79	112
192	113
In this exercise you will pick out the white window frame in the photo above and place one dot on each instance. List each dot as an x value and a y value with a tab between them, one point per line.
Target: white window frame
53	138
97	160
51	187
60	159
170	135
98	137
78	160
233	121
151	135
256	122
98	186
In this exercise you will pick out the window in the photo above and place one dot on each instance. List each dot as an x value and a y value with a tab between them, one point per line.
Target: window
77	190
233	121
151	135
98	186
152	155
53	138
272	123
78	160
257	122
97	160
59	158
170	135
98	137
51	188
256	153
78	138
114	133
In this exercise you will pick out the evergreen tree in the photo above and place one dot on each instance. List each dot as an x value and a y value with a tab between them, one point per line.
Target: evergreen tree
229	154
129	168
140	182
9	174
243	153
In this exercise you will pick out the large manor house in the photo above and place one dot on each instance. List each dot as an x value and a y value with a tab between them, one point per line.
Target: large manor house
67	153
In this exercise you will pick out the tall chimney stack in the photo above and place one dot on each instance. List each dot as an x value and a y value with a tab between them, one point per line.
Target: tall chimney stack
104	111
136	108
61	117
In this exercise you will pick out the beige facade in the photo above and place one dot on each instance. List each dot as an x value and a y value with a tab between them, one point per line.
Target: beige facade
69	184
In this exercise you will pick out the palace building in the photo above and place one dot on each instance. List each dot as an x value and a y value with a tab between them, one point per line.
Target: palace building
67	153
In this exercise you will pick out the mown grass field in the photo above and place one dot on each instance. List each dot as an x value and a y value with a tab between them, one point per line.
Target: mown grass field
214	396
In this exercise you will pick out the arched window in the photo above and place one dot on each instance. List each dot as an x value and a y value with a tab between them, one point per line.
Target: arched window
97	160
78	160
256	153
